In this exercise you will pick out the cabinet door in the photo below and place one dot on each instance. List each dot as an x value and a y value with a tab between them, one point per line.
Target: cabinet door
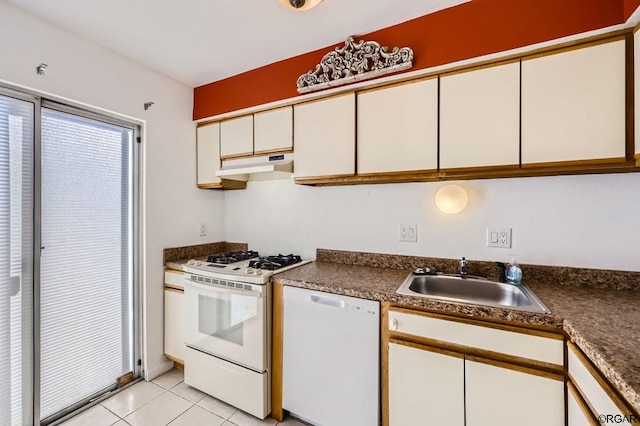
398	128
487	101
208	154
273	130
578	414
174	324
324	135
236	137
425	387
594	388
501	396
573	105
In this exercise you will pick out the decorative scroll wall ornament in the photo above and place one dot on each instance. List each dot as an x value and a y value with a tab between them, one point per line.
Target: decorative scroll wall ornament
355	62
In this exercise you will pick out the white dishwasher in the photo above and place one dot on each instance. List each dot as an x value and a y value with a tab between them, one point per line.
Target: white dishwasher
331	358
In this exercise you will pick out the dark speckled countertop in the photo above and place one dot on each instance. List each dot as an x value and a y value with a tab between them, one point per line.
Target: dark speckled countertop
604	323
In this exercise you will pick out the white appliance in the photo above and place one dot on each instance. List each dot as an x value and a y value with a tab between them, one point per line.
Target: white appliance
330	362
241	168
228	327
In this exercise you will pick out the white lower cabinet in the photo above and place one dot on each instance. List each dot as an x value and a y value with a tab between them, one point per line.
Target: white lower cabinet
452	371
173	324
425	387
499	396
577	414
589	385
435	386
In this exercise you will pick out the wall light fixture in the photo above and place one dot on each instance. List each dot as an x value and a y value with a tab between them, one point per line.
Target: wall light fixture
451	199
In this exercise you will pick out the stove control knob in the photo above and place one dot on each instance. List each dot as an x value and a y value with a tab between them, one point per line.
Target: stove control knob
258	271
194	262
249	270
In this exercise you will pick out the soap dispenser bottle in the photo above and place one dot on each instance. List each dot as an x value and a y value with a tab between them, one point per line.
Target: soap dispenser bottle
514	273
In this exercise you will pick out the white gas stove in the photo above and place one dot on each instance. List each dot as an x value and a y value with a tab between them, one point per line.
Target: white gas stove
244	266
228	327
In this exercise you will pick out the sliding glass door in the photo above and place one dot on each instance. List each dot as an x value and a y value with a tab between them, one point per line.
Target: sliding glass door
86	265
16	259
68	245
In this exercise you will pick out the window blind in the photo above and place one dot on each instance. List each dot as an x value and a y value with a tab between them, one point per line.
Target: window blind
16	260
86	271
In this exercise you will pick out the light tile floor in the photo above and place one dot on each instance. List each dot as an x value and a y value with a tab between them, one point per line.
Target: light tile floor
167	400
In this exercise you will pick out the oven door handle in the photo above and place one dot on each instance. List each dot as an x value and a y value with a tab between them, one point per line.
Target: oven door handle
223	290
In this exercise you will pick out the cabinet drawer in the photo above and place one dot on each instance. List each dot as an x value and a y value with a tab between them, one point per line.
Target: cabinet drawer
174	278
537	348
594	393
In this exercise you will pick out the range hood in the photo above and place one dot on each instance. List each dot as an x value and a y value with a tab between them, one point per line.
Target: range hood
241	168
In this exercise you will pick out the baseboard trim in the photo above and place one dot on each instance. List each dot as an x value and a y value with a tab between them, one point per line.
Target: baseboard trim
157	371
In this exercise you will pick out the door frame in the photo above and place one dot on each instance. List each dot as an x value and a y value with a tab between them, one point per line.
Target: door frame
137	247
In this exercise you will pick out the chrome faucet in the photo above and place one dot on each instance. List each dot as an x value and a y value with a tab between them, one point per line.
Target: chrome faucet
463	267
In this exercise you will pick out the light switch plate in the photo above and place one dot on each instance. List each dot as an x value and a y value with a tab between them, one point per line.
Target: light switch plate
408	233
499	237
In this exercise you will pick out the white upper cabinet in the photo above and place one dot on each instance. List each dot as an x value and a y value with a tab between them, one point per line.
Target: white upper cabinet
236	137
324	134
208	154
273	130
398	128
573	105
480	117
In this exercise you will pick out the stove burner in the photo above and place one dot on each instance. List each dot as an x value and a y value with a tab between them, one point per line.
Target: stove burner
271	263
231	257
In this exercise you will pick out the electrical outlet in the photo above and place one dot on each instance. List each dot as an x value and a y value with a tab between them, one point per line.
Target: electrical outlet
499	237
408	233
203	229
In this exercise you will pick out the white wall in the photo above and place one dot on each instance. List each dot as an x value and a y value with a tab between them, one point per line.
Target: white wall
82	71
583	221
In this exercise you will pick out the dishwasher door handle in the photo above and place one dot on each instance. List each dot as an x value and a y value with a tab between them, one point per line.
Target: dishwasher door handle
327	301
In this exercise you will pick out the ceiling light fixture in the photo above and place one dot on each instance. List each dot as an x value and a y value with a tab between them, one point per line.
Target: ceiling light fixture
300	5
451	199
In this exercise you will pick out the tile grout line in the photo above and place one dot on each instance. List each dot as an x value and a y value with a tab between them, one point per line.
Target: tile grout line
119	418
168	390
164	390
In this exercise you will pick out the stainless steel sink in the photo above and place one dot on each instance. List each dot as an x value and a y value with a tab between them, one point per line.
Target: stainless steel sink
475	290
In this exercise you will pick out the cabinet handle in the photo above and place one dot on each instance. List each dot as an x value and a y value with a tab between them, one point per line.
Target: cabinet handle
393	324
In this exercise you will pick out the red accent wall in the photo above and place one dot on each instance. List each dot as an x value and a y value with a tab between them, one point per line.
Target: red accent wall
630	6
469	30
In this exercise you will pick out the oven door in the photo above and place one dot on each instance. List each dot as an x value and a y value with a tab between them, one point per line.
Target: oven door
229	323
